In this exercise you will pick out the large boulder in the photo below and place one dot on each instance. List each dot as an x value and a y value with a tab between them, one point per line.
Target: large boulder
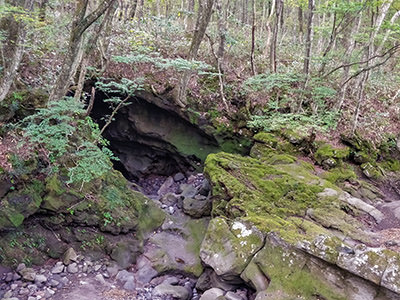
228	247
317	241
177	247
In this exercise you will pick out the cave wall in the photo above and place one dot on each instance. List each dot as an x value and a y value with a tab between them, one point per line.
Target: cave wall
149	136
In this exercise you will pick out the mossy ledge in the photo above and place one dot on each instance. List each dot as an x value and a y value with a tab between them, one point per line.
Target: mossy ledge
285	197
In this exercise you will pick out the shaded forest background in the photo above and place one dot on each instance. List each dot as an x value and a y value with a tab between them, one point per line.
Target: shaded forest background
332	65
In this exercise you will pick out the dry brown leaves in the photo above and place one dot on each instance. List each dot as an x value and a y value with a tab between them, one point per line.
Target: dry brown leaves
16	145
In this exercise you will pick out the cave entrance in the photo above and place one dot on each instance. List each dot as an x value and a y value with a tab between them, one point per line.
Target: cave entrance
150	138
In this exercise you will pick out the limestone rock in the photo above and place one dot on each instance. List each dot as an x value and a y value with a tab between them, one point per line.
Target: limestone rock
145	272
58	268
28	274
212	294
70	256
124	275
197	208
209	279
229	248
177	247
255	277
40	278
72	268
125	253
177	292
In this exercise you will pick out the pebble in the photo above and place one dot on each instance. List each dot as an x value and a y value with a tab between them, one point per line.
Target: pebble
97	267
53	283
40	278
100	279
9	277
58	268
72	268
49	293
24	291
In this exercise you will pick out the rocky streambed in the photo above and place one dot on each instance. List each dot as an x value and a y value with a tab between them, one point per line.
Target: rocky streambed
292	219
169	266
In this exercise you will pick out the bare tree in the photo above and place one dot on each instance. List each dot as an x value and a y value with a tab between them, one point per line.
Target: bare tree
90	46
309	38
14	48
275	32
370	51
80	25
203	19
253	36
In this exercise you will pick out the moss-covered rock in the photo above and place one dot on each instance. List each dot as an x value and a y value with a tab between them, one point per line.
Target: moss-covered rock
340	174
305	210
371	171
20	204
288	272
228	248
330	157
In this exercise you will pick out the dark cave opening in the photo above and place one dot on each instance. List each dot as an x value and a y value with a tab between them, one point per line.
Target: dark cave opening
150	139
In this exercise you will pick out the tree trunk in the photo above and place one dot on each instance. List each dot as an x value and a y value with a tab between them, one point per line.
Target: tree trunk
253	37
309	39
91	45
300	21
133	9
369	53
80	25
140	9
203	18
275	32
245	7
14	50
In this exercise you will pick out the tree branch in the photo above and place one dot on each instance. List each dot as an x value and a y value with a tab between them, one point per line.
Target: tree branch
391	50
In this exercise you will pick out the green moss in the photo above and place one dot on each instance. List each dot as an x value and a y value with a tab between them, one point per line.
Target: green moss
262	193
392	165
364	149
339	174
288	272
266	138
278	159
54	185
371	171
16	219
150	217
326	151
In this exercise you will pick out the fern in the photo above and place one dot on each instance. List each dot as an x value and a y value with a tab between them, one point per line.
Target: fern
69	138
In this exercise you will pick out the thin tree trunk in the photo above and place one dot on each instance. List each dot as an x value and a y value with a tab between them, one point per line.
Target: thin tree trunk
80	25
140	9
268	28
91	44
300	21
14	51
245	6
253	37
369	53
203	18
133	9
309	39
349	45
275	32
388	32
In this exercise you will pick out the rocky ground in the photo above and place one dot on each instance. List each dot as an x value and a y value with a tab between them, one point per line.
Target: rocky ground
165	270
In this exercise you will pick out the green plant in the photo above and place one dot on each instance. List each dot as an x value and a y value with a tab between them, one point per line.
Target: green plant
99	239
68	137
273	121
108	218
